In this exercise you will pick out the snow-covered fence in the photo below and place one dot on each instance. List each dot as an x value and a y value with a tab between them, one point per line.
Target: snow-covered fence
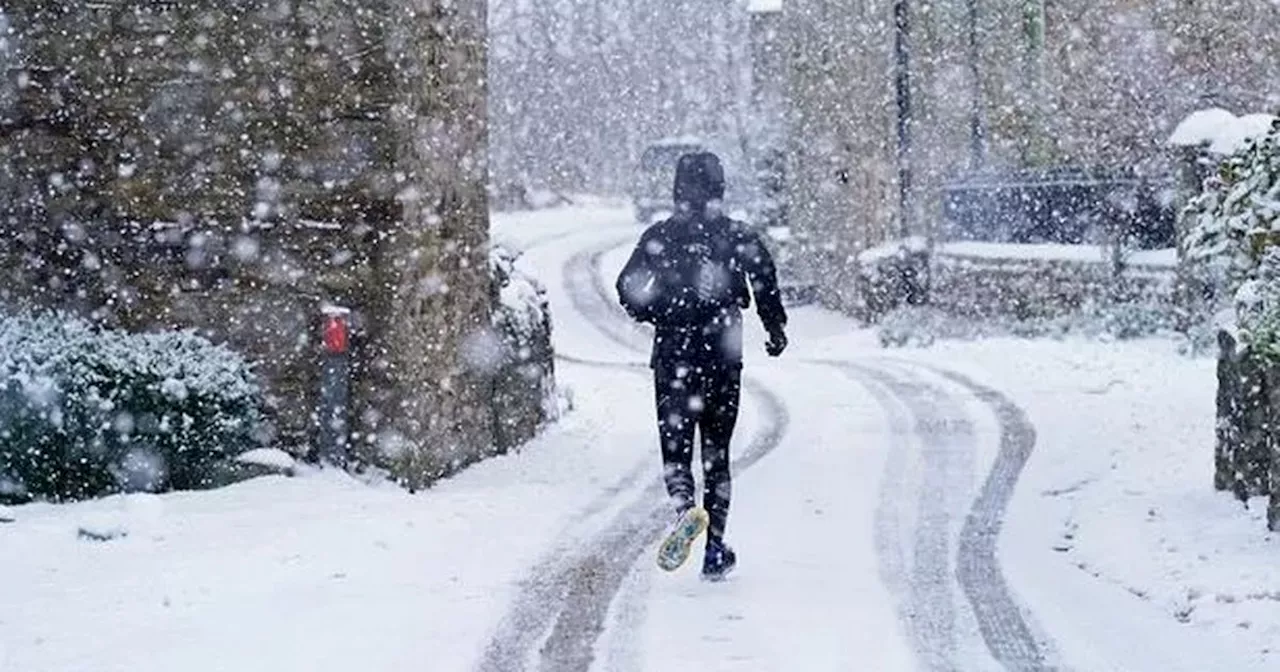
1068	205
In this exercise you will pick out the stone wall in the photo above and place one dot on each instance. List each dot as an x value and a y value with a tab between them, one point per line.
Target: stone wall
232	166
986	287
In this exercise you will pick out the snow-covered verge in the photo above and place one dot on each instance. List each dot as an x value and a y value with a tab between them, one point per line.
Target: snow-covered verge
86	411
1116	538
318	572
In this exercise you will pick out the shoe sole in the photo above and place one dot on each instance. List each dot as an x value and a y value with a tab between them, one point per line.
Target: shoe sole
674	550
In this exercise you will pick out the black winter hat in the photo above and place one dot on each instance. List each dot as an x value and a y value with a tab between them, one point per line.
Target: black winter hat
699	179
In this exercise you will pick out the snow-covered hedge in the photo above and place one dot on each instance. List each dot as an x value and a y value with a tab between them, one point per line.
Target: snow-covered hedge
1232	222
1232	277
86	412
524	384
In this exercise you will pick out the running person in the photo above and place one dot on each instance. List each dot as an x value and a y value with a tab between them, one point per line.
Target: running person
691	276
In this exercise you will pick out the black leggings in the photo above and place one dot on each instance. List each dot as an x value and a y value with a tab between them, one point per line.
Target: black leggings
693	398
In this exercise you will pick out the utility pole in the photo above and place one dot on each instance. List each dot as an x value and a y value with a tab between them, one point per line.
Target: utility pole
977	129
902	53
1033	86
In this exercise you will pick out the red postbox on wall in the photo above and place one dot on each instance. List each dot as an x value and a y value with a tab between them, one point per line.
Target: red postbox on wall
336	333
335	384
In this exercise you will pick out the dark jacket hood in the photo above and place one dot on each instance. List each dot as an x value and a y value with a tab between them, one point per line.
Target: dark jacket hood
699	179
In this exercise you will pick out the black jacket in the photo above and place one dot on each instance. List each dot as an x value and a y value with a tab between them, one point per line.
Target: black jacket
690	276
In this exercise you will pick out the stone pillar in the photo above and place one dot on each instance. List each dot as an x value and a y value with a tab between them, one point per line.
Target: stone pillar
1272	458
428	389
231	166
1252	455
1228	413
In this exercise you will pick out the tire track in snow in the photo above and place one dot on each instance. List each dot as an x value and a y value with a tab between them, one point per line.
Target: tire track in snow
1000	621
1006	633
565	605
946	446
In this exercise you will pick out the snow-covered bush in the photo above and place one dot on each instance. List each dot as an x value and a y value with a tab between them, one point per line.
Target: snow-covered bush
1232	276
1232	222
524	388
86	412
892	275
1257	307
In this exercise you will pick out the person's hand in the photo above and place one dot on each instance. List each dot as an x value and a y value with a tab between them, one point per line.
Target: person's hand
777	342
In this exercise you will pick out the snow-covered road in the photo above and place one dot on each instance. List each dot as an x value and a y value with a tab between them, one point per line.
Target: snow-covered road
559	623
997	505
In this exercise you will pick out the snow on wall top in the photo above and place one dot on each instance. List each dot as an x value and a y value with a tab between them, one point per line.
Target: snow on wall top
1053	252
764	5
1222	131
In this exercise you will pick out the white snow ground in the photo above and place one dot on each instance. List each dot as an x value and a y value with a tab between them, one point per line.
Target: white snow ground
1116	538
1115	541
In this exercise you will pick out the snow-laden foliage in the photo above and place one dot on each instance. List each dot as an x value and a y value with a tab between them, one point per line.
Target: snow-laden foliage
522	309
1231	225
86	411
1257	307
522	319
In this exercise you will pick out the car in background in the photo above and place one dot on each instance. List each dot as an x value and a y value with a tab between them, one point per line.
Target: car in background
652	184
651	187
